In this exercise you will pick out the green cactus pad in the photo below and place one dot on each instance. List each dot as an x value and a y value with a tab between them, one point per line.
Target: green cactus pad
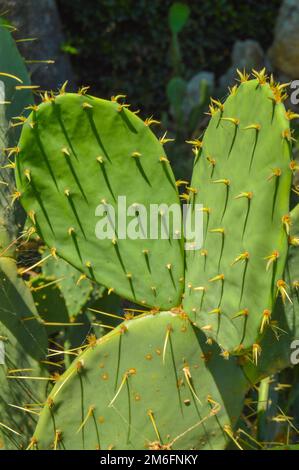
281	339
18	313
13	73
243	180
12	63
80	154
76	291
151	383
49	302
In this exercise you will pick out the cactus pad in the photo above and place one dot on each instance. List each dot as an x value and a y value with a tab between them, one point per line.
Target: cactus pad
76	290
101	151
282	332
151	383
243	177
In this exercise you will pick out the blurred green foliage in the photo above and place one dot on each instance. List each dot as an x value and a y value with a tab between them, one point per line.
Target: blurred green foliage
123	45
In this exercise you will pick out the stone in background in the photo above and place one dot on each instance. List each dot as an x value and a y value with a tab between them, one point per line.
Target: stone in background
284	52
40	19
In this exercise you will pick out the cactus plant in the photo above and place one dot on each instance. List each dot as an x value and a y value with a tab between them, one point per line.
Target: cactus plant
222	291
200	307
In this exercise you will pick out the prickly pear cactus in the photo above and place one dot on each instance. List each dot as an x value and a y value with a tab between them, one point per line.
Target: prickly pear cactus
120	390
66	182
227	290
242	176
